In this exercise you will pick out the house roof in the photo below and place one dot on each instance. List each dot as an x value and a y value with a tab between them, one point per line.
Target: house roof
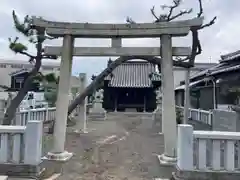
228	63
133	74
218	69
20	71
192	84
230	56
205	71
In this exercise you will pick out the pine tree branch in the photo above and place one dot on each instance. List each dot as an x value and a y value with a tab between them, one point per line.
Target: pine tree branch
27	54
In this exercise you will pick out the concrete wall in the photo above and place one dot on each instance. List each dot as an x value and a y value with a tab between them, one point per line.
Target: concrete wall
179	75
225	121
199	126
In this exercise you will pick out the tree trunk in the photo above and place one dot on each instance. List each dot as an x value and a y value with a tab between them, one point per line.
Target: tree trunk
15	102
96	82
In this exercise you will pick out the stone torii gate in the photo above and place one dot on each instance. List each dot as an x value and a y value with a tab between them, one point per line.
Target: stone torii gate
164	30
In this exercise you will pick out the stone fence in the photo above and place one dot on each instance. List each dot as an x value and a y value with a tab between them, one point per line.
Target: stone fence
198	115
217	120
43	114
20	150
207	155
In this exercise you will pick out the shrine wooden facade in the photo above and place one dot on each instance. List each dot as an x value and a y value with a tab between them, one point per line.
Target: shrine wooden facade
131	86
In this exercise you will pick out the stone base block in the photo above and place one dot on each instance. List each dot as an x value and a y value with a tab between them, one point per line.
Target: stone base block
53	163
97	116
21	170
166	160
61	157
205	175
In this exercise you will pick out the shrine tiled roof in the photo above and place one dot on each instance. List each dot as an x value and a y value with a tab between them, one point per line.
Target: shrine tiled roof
138	74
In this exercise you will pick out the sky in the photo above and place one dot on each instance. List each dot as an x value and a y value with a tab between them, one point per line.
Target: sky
216	40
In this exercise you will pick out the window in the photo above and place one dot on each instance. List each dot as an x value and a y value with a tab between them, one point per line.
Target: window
16	66
3	65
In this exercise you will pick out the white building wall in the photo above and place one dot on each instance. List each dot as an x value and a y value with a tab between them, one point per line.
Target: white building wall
179	75
9	66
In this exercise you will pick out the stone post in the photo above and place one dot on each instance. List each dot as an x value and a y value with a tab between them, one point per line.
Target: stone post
58	152
168	103
186	97
82	118
185	147
33	142
157	114
2	110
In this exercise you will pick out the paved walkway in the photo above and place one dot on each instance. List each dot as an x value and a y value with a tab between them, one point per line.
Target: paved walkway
120	148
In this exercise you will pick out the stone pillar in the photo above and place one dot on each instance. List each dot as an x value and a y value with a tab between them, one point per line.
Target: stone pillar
186	97
82	118
58	152
168	103
157	114
97	112
2	109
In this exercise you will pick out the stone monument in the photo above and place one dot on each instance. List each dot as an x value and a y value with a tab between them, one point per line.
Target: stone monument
97	112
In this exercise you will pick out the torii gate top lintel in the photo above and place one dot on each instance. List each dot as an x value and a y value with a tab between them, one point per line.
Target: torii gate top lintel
138	30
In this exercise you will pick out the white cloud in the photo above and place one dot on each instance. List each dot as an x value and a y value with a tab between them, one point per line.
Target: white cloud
217	39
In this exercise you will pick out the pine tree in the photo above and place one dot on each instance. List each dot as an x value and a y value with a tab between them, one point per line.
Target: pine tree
35	36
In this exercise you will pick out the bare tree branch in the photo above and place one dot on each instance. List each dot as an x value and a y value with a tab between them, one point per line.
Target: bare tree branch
176	4
181	13
208	24
153	13
130	21
196	45
200	8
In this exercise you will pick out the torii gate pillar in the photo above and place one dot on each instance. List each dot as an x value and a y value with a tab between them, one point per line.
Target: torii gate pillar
168	102
58	152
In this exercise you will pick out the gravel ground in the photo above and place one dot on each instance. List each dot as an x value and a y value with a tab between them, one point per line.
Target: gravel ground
120	148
